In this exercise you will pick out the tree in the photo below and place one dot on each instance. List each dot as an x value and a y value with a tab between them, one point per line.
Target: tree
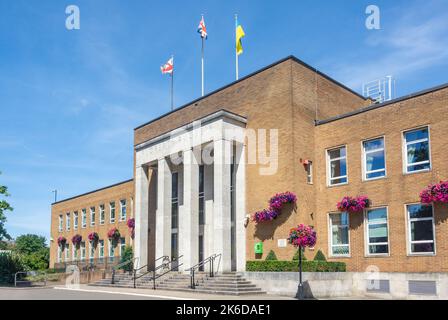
127	256
320	256
4	206
30	243
271	256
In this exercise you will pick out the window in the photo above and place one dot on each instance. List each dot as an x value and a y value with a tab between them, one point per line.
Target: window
67	252
61	223
112	212
417	150
337	166
101	251
92	252
59	254
102	214
83	251
309	172
174	215
75	220
420	229
74	253
201	196
122	245
84	218
377	235
339	234
92	216
374	159
67	221
111	251
122	210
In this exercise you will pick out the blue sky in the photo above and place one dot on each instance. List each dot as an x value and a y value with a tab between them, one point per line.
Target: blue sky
69	100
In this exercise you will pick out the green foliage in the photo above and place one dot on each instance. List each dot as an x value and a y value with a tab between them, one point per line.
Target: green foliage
271	256
320	256
10	263
292	266
38	260
30	243
4	206
127	255
296	255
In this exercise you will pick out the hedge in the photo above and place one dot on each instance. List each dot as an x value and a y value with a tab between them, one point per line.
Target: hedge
292	266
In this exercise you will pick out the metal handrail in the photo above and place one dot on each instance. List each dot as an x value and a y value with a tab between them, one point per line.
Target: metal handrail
118	266
154	276
26	273
211	261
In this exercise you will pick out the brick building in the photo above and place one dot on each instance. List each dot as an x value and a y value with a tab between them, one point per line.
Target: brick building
323	142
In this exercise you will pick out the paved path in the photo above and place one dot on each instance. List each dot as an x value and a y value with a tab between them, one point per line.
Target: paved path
106	293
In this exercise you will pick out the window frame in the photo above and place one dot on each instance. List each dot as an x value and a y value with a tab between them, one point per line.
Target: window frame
309	172
102	214
405	150
121	209
75	220
92	216
364	159
61	222
82	249
67	253
328	165
409	242
67	221
366	233
330	236
122	245
110	212
91	251
83	218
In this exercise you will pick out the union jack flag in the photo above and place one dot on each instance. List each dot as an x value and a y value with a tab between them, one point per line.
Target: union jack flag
167	67
202	30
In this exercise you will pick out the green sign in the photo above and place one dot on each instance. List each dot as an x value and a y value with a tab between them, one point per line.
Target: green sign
259	247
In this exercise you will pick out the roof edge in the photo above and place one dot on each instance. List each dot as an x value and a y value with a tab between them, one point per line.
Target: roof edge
384	104
93	191
290	57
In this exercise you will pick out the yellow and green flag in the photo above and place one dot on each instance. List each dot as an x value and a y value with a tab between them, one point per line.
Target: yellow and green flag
239	35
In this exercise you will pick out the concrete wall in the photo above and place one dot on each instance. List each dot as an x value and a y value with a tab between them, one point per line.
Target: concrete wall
348	284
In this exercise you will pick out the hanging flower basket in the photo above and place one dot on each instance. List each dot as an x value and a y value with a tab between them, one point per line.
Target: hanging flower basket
276	204
114	234
302	236
76	240
62	241
280	199
351	204
131	226
435	193
93	237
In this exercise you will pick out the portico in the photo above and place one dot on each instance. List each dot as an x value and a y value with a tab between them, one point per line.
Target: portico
185	186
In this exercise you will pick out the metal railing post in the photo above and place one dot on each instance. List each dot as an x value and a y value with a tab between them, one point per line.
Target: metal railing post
135	276
154	280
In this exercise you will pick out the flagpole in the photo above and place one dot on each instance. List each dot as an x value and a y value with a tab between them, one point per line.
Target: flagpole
236	51
202	61
172	85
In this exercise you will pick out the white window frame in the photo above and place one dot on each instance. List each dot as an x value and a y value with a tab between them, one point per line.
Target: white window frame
330	237
408	231
92	216
75	220
329	161
91	251
309	175
123	218
405	144
364	159
61	222
366	233
67	221
83	218
109	247
67	253
82	249
121	245
74	253
101	246
102	214
59	259
110	212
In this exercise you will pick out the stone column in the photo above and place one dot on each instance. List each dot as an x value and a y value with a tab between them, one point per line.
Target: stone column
221	207
163	212
240	203
189	220
141	214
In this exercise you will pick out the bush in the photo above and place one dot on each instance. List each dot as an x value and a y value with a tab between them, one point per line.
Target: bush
38	260
292	266
296	255
10	263
320	256
271	256
127	255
